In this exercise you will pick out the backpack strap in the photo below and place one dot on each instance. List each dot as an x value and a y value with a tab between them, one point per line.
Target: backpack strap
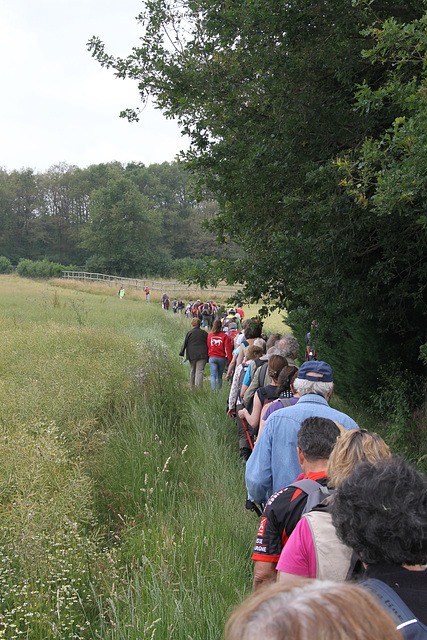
355	569
394	603
262	374
312	489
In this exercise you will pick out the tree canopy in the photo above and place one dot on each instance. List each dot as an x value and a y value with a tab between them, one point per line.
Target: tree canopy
306	120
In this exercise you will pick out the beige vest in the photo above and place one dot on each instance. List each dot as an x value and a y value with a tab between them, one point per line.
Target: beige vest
332	556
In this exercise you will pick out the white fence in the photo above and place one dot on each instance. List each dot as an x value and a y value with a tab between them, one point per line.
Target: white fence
171	288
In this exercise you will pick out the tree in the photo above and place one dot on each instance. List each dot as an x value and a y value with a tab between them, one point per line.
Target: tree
266	93
123	229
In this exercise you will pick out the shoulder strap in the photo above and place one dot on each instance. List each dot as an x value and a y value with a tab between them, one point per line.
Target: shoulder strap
285	401
262	373
392	601
312	489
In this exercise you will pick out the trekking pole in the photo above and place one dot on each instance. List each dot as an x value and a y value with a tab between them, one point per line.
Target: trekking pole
247	433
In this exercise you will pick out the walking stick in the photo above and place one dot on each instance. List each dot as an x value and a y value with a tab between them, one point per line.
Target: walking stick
247	433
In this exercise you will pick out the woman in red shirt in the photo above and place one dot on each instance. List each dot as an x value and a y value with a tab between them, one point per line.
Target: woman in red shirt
219	352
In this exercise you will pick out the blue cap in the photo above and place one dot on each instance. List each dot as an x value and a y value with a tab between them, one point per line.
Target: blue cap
322	369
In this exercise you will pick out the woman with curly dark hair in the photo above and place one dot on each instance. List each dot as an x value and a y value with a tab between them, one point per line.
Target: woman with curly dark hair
380	511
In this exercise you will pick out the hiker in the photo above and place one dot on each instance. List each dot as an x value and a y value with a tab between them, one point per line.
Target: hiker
219	354
121	293
240	341
313	549
233	332
147	294
164	297
195	309
286	398
188	310
195	348
265	394
246	440
286	346
274	461
309	339
252	330
166	303
174	305
207	314
315	441
181	306
380	511
311	610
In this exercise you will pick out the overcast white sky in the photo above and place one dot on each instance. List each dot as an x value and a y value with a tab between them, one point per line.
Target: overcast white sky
57	103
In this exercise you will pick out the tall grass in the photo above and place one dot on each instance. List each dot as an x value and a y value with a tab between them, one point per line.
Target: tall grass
122	503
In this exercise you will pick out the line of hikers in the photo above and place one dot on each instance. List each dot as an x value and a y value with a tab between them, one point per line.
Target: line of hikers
336	507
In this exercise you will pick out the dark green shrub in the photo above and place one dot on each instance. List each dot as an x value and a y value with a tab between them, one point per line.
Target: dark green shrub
39	269
5	265
399	403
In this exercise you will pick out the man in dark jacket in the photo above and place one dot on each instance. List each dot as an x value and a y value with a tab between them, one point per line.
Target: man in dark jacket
195	349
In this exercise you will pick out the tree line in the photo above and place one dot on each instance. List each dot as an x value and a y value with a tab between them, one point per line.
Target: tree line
110	218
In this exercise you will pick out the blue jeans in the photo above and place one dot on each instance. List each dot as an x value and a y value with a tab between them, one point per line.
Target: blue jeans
217	366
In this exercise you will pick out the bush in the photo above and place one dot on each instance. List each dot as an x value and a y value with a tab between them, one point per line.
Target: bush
399	403
5	265
39	269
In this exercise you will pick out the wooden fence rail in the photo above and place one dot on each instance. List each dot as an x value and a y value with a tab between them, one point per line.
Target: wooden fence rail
171	288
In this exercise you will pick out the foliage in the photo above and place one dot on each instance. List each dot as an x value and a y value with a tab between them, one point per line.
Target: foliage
267	96
52	217
5	265
39	269
396	402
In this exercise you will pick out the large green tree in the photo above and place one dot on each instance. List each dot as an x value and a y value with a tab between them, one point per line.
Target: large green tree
266	92
123	228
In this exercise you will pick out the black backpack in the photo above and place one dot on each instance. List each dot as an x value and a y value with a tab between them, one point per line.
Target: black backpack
407	623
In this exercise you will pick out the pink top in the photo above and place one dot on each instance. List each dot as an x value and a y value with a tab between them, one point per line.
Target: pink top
298	555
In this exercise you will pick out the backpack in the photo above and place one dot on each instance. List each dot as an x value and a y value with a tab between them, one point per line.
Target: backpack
207	309
264	366
316	493
407	623
310	353
232	335
242	374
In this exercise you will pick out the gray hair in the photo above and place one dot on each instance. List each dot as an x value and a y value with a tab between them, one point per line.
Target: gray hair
289	346
303	387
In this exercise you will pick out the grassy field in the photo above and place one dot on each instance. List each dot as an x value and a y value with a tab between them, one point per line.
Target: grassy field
123	495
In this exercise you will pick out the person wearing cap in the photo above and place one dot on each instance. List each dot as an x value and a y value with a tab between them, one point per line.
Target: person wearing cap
274	461
232	316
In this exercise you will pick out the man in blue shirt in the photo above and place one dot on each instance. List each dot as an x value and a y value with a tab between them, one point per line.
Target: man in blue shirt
274	460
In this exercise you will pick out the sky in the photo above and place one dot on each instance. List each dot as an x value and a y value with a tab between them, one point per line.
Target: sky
57	104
